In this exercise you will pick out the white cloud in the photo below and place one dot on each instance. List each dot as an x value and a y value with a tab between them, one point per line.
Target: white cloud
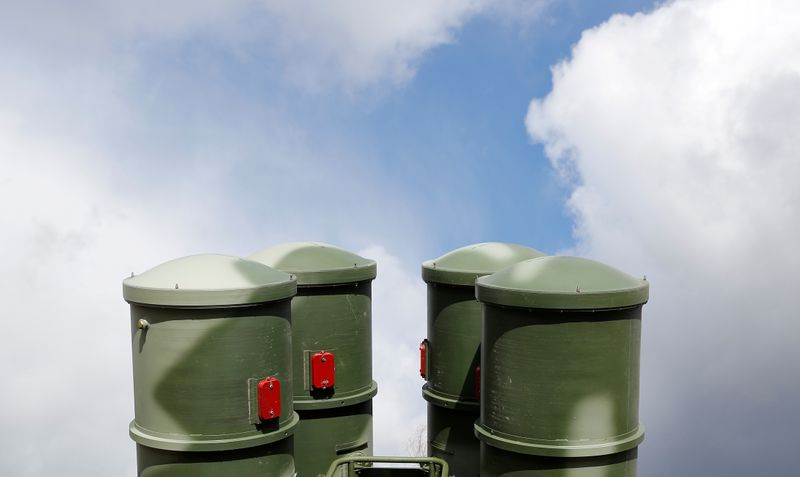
679	130
314	44
361	43
399	324
103	174
75	223
67	386
70	238
113	162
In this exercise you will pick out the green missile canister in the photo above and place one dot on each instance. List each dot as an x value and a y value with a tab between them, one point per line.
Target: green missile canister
450	356
212	371
560	369
332	358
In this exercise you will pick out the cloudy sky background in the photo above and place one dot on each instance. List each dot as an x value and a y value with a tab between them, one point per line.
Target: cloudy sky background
660	138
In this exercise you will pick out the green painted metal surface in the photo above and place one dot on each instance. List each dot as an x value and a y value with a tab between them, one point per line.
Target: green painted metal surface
499	463
328	315
266	460
317	263
561	380
561	384
463	265
454	316
337	319
332	433
332	312
196	365
450	435
454	333
562	283
208	280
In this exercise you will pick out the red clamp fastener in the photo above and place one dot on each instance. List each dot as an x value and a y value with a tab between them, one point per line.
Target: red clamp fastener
423	359
269	399
323	372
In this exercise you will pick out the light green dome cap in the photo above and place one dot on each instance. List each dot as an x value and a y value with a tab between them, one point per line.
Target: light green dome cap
208	280
463	265
317	263
562	283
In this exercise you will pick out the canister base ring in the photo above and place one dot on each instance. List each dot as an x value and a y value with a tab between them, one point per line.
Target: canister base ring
337	400
450	403
551	448
185	443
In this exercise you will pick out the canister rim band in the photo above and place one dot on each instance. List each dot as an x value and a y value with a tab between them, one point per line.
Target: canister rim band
551	448
194	443
448	402
208	280
617	299
562	283
304	403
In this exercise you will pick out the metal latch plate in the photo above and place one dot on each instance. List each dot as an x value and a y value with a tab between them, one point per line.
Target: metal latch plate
269	399
323	372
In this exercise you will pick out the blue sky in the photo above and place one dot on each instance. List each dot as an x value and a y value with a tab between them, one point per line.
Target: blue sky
451	140
661	142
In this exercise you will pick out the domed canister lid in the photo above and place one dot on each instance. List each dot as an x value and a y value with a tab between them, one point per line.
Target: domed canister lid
317	263
463	265
208	280
562	283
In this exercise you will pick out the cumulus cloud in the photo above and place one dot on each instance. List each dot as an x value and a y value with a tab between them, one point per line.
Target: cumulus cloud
316	45
399	298
72	232
361	43
70	238
113	162
64	362
678	131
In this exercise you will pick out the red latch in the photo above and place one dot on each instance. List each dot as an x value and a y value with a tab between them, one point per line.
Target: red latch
423	359
478	383
269	399
323	374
